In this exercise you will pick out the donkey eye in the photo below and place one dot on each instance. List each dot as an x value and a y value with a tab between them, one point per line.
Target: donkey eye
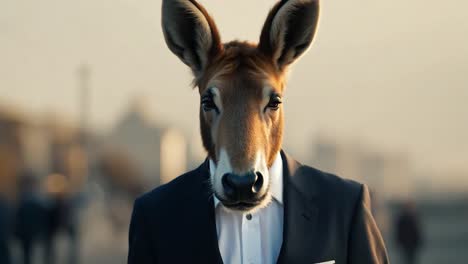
274	103
208	104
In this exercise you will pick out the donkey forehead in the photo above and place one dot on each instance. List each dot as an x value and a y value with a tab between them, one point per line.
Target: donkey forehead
242	67
243	89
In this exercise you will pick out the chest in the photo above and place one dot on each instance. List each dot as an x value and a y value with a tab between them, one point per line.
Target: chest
250	237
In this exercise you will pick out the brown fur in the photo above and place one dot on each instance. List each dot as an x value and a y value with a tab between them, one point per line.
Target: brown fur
241	72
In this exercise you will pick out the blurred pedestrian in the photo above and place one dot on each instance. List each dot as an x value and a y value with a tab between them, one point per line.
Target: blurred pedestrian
409	233
29	221
61	218
4	234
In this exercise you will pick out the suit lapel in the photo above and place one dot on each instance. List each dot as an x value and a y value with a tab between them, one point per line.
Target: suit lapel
205	238
300	216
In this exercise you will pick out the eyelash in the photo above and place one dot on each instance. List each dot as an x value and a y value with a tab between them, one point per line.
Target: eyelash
274	103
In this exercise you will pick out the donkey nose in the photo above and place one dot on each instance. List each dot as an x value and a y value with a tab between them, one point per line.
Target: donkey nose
242	188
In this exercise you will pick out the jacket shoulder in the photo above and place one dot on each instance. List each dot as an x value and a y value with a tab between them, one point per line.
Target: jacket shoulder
330	186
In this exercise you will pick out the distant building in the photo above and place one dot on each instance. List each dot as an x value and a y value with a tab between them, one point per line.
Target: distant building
36	140
40	148
389	174
158	150
11	152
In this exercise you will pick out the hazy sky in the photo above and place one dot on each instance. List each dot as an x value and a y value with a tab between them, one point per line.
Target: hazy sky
391	73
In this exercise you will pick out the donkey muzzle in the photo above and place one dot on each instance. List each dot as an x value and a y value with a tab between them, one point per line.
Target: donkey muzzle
243	189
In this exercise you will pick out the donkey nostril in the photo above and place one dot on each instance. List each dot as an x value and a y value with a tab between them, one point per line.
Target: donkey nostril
228	185
257	186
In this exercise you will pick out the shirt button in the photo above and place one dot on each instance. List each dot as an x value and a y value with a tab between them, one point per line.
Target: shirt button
249	216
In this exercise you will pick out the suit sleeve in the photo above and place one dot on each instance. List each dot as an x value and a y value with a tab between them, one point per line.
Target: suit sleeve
141	250
366	245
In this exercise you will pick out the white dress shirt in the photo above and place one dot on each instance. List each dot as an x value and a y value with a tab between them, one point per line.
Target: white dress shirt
252	238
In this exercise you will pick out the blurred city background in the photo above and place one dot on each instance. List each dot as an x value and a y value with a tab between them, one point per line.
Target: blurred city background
95	110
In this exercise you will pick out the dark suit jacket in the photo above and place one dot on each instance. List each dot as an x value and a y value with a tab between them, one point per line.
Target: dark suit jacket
325	218
4	232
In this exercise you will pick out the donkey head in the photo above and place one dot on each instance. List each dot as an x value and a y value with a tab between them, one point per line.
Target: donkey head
241	88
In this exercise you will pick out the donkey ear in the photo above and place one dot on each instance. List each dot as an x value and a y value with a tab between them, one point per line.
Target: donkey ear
289	30
190	33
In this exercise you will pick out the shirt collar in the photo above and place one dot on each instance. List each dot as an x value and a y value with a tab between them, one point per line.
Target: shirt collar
276	179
